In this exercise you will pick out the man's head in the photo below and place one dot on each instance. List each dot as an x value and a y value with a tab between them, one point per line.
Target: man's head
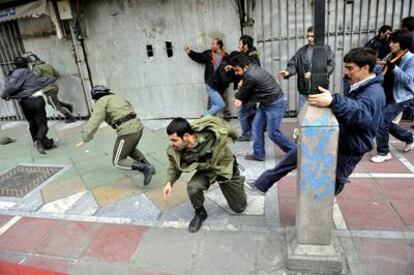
359	64
310	36
400	40
99	91
408	23
20	62
245	43
180	134
240	64
217	45
31	57
384	32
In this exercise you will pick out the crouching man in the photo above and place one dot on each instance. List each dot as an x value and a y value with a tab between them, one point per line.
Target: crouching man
121	116
202	147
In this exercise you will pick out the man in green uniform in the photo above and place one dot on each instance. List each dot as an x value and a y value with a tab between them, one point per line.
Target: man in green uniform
121	116
41	68
202	147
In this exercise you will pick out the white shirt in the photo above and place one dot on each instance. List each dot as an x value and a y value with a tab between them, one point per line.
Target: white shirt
356	85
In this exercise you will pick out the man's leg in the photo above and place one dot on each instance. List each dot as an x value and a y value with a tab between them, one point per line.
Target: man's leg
344	168
138	156
269	177
389	113
41	123
401	133
53	100
246	113
274	116
125	146
302	98
233	191
196	187
217	102
27	109
258	129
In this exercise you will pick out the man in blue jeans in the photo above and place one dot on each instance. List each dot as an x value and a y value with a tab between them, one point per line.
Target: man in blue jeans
359	113
399	90
260	87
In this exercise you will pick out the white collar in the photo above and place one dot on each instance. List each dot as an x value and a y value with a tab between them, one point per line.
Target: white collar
358	84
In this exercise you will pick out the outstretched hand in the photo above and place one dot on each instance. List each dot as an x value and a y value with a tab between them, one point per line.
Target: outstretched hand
321	100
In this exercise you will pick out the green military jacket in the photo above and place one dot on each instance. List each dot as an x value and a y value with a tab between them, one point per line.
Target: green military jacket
220	161
109	109
40	68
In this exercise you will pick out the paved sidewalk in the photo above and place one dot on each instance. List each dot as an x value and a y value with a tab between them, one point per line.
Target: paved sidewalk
93	218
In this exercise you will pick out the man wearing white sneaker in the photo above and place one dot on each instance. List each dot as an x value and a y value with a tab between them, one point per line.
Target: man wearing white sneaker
399	90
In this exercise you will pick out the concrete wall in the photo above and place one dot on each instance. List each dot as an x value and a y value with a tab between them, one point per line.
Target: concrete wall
159	87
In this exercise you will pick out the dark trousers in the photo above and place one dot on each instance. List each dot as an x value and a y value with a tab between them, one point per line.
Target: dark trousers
345	166
246	115
387	127
233	189
35	113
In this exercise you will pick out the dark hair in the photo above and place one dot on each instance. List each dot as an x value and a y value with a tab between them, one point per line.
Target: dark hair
219	42
362	57
310	29
384	29
401	36
179	126
239	60
20	62
247	40
408	23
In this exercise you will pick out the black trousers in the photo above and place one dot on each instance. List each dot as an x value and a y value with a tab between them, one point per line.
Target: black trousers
35	112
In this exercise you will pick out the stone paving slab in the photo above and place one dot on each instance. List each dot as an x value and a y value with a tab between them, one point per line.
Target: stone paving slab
61	189
113	192
179	196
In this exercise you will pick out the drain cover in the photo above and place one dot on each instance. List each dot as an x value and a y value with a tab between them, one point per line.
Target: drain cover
22	179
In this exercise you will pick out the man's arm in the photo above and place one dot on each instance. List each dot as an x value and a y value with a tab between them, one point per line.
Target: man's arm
198	57
173	174
12	85
245	89
92	125
330	60
292	64
406	77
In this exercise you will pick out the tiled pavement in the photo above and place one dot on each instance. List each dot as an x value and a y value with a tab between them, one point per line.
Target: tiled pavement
95	219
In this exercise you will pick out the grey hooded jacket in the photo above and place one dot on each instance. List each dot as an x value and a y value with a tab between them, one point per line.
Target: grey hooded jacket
22	83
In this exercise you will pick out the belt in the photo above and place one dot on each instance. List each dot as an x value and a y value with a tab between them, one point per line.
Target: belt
119	122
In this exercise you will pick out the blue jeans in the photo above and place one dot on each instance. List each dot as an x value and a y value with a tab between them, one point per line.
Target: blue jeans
216	101
344	168
387	127
301	101
246	114
270	116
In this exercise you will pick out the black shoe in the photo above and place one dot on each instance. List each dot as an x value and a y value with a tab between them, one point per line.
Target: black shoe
252	157
40	148
150	165
67	106
244	138
199	217
69	118
144	169
339	188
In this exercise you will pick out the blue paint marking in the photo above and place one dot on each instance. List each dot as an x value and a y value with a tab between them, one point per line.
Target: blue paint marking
317	162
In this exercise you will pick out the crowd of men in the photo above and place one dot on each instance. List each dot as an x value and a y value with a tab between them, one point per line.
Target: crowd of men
379	86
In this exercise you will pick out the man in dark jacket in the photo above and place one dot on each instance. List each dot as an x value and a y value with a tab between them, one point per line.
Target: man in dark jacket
211	59
359	113
408	24
22	84
260	87
248	110
380	42
301	63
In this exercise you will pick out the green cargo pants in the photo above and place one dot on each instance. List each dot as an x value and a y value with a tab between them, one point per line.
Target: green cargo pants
233	189
125	146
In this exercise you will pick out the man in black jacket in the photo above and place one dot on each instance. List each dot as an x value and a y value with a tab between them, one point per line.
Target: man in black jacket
22	84
259	87
300	64
359	113
211	59
379	43
248	110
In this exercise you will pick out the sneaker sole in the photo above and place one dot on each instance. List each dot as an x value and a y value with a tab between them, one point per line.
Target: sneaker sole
254	189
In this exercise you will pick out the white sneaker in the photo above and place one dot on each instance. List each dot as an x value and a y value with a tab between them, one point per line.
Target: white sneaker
381	158
409	146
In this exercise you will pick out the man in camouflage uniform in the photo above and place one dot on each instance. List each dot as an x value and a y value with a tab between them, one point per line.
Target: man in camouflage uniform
202	147
40	69
121	116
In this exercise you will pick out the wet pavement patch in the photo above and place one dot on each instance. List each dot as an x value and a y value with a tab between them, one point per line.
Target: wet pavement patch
22	179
